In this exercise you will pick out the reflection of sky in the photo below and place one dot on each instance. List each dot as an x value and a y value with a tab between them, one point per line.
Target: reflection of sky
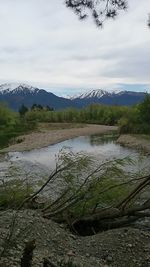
46	156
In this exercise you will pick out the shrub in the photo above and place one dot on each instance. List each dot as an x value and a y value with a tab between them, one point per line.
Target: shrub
12	193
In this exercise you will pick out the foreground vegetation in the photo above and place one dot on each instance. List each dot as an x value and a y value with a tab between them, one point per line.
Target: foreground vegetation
92	196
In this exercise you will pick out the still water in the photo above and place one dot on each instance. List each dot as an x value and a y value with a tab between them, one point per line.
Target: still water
103	147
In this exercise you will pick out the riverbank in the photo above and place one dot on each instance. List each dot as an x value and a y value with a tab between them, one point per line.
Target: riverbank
137	141
114	248
48	137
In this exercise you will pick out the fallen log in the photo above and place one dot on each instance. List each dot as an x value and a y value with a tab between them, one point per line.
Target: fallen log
110	218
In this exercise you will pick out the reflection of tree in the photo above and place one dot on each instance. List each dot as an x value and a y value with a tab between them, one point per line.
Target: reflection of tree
101	139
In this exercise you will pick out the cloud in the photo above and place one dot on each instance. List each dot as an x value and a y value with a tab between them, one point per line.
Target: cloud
43	42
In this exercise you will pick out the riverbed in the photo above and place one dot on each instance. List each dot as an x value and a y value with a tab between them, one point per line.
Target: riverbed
45	137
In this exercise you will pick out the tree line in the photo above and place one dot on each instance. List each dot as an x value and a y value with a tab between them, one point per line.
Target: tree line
134	119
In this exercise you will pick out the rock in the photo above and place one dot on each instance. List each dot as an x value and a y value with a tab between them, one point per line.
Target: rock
70	253
73	236
109	259
101	250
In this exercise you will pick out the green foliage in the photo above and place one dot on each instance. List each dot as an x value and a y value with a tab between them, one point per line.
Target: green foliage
8	118
129	119
35	106
95	113
137	120
40	107
95	192
23	110
12	125
13	192
134	119
144	110
88	185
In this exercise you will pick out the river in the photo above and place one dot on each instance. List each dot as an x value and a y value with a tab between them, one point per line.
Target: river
36	165
101	146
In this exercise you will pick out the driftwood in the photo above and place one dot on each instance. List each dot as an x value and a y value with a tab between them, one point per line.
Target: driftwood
116	217
99	219
89	225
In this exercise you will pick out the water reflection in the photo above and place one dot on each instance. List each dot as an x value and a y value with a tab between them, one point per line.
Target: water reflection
102	139
103	147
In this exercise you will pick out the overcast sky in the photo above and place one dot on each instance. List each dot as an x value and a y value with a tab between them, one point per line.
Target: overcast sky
43	43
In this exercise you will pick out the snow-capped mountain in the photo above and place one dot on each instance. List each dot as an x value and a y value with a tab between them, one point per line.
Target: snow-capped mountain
16	87
93	93
17	94
97	93
115	97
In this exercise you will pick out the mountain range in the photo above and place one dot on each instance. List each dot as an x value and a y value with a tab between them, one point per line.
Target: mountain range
17	94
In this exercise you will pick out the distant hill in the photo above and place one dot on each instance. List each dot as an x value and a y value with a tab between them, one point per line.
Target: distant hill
17	94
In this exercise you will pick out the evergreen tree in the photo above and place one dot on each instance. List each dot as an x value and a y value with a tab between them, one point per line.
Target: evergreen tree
23	110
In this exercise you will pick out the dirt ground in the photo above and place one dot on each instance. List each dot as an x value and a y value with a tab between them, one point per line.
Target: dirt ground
48	137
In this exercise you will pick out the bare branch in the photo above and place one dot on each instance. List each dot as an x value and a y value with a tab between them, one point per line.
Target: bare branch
100	10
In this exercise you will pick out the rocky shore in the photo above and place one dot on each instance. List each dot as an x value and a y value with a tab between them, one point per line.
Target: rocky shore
139	142
126	247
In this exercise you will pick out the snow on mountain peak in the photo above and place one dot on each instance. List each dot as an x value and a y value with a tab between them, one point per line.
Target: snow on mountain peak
96	93
16	87
92	94
8	87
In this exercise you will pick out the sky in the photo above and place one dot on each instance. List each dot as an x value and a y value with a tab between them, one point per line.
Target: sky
44	44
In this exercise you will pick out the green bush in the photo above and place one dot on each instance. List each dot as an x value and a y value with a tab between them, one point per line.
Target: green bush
13	193
12	125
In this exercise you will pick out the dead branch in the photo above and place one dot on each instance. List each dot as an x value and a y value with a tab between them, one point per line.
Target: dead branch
136	191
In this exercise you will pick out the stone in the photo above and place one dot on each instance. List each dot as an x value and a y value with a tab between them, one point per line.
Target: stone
109	259
70	253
